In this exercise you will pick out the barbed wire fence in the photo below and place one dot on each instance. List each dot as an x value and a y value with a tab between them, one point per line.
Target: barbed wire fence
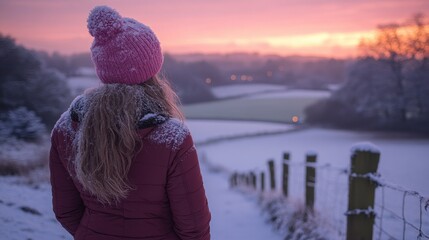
395	217
415	225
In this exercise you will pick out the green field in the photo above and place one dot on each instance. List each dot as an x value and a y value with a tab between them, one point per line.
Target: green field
270	109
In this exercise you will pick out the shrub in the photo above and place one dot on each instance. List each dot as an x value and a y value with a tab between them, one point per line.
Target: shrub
18	157
21	123
25	82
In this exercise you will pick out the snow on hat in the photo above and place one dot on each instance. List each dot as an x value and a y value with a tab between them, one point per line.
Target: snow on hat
124	50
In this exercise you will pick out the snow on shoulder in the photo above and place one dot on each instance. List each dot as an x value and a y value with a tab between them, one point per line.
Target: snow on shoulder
64	123
364	147
171	133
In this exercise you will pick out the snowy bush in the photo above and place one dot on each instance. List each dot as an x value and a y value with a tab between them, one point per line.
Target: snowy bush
294	220
25	82
21	123
19	152
18	157
291	218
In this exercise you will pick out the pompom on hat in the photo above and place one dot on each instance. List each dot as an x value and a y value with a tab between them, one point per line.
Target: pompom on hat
124	50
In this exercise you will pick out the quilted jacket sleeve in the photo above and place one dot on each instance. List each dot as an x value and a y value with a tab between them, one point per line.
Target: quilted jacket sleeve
187	197
67	204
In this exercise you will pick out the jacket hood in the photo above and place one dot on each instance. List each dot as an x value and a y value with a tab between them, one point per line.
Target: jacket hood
79	107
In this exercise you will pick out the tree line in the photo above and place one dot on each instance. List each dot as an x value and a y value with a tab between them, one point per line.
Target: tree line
387	87
32	95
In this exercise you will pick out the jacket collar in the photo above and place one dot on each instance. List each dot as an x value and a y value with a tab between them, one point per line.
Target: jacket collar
148	119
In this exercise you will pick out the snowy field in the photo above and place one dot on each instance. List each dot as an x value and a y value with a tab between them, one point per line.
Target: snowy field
26	211
290	94
209	129
403	162
276	106
245	89
280	110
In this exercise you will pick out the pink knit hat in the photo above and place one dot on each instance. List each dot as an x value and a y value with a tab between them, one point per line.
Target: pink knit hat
124	50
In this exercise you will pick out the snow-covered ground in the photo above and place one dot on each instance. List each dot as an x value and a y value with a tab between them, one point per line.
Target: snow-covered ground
296	93
403	159
266	91
26	211
403	162
234	215
209	129
244	89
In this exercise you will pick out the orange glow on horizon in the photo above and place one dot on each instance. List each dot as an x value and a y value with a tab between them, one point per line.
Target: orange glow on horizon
323	44
331	28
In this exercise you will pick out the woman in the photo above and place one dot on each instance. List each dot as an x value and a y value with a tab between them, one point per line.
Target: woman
122	165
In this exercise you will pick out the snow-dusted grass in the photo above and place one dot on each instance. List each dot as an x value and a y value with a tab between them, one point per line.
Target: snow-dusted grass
290	94
244	89
26	211
19	157
403	161
210	129
276	106
269	110
293	220
25	197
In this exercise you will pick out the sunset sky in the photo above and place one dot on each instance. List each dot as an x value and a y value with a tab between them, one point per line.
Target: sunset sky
305	27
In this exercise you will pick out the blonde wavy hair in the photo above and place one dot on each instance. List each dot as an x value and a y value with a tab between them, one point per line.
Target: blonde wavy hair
108	138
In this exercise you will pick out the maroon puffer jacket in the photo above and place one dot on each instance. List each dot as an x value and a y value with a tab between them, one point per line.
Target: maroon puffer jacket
168	202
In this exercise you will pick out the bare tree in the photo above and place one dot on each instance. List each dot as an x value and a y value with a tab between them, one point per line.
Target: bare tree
388	87
405	49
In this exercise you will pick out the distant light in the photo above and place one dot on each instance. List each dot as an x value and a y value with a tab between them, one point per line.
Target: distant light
233	77
249	78
295	119
208	80
269	74
243	77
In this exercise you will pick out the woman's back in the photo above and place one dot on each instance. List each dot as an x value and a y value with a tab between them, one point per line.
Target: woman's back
165	168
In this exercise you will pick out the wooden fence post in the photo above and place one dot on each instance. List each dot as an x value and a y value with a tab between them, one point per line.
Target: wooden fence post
247	179
240	179
253	180
310	181
262	181
272	175
244	179
360	215
286	156
233	179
